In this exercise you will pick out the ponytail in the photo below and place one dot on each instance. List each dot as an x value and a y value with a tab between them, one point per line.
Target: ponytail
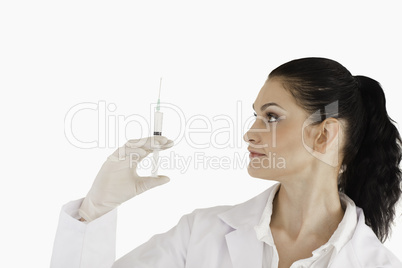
372	178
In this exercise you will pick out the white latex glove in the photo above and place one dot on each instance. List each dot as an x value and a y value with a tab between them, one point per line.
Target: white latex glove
118	181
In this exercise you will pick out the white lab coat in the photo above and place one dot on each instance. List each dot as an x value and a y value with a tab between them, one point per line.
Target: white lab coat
218	237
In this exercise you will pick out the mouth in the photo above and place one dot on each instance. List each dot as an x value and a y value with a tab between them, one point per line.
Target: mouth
255	154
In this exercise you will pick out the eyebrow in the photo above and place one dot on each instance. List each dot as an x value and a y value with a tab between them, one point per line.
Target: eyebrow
266	105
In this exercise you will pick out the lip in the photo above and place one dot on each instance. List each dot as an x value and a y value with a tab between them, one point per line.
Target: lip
255	154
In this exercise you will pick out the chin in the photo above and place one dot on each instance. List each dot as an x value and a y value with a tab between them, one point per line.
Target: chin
264	174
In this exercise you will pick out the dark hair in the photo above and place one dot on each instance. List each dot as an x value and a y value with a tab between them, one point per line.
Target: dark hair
371	175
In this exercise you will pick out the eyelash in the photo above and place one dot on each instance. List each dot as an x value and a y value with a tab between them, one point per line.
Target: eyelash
272	115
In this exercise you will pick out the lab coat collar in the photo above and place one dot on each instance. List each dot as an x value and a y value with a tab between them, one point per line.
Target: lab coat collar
244	248
247	213
364	249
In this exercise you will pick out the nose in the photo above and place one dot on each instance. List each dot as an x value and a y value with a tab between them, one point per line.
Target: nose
249	138
252	136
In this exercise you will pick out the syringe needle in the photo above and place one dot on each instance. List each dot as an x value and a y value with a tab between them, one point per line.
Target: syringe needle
159	95
160	86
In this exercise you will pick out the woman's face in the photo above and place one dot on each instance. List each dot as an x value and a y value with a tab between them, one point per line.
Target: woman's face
276	147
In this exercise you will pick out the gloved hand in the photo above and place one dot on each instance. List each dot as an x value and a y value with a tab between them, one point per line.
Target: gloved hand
118	181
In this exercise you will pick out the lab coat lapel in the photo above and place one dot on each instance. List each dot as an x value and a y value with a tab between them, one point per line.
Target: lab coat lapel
245	249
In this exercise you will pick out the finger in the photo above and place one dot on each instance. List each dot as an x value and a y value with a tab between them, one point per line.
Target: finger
136	143
122	153
146	183
167	145
136	154
155	142
147	142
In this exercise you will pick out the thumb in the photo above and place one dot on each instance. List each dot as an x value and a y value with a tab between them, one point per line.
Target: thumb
145	183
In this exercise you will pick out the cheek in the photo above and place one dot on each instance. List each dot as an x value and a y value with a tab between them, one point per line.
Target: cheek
283	139
287	143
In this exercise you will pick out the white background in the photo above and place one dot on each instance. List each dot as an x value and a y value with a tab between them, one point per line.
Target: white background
212	55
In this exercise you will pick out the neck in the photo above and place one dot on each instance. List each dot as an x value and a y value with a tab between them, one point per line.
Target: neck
307	208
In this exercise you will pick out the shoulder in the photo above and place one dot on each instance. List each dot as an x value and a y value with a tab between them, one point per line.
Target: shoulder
246	213
365	250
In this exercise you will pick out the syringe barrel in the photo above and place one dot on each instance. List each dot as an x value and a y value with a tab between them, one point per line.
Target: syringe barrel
158	118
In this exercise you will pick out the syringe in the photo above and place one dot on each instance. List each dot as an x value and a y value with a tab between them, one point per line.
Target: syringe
158	116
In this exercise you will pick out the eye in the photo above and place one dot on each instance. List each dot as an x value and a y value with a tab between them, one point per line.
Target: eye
271	117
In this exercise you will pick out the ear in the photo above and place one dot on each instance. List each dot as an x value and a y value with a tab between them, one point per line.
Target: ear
322	140
327	135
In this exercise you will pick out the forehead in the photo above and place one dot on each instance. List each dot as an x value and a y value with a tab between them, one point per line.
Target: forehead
273	91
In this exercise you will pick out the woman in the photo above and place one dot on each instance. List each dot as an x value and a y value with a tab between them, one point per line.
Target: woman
333	206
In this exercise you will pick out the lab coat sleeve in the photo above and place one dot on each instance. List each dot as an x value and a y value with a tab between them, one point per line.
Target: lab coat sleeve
92	245
84	245
167	250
